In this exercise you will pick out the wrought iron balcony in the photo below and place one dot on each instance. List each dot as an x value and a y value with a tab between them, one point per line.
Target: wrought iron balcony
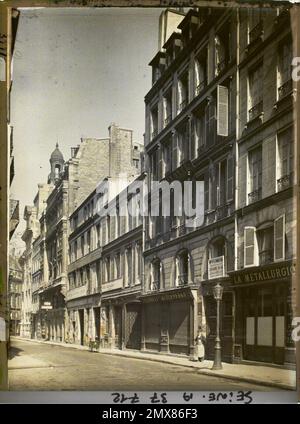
182	105
254	196
285	89
181	230
220	66
210	216
183	279
256	32
167	120
155	285
221	211
256	111
199	88
285	181
154	133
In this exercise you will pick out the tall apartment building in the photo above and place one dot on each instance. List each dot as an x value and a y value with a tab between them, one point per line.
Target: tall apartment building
265	215
15	281
220	111
73	181
105	271
32	216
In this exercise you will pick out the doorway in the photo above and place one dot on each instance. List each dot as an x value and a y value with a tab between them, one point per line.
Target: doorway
81	324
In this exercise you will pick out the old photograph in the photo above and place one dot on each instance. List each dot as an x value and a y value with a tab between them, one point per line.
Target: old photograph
152	217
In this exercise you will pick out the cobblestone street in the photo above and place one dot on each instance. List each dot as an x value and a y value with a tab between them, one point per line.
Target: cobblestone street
36	366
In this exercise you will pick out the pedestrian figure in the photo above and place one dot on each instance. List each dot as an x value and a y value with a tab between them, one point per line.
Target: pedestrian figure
200	347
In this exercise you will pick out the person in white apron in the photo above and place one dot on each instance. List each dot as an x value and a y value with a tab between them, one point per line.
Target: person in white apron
200	347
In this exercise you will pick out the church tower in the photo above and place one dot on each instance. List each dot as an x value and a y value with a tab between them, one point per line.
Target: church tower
56	164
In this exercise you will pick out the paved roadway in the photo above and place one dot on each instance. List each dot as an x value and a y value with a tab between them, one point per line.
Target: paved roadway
37	366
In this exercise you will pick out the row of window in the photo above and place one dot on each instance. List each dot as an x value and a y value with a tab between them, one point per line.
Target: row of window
174	103
262	245
284	165
219	183
126	265
100	234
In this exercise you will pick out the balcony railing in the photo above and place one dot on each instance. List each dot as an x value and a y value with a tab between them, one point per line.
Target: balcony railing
154	133
266	257
285	181
285	89
221	66
183	279
254	196
168	120
256	32
200	87
155	285
256	111
221	212
182	105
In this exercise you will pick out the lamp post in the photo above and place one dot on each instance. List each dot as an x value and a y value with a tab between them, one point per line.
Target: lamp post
218	291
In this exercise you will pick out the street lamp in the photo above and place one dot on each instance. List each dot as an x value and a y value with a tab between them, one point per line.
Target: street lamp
218	291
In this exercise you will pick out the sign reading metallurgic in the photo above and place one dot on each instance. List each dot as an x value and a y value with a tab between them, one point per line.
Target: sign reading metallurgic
265	275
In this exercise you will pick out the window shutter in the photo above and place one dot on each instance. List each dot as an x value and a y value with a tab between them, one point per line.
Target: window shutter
250	247
222	110
230	177
279	238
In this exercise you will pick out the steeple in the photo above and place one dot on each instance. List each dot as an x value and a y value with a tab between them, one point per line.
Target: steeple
56	163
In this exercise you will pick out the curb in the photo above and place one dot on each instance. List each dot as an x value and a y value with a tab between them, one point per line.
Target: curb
252	380
210	373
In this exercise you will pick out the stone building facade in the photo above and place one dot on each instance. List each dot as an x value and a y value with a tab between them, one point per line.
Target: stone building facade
72	181
220	111
15	281
265	215
105	270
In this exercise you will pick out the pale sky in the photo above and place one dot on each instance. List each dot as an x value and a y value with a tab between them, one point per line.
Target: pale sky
75	71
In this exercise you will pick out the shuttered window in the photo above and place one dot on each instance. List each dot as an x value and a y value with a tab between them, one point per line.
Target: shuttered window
279	238
250	247
222	110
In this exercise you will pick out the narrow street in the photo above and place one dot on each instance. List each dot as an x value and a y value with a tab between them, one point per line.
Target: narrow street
36	366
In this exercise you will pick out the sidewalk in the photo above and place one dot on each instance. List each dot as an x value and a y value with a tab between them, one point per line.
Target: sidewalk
271	376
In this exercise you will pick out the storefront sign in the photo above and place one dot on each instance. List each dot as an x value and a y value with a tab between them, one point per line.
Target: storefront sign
216	267
265	275
112	285
166	297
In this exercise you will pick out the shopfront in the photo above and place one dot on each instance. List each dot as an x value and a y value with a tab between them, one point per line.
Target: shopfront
120	321
227	317
264	314
169	321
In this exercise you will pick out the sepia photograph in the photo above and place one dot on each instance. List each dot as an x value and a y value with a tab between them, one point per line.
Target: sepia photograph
151	200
